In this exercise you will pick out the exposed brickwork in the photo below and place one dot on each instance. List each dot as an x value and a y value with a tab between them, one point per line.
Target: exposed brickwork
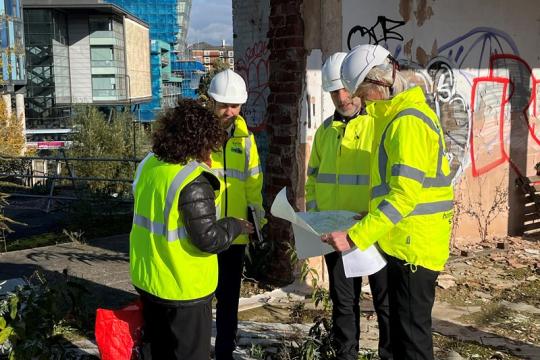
287	65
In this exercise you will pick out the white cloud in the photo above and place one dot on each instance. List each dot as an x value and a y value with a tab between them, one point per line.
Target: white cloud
211	21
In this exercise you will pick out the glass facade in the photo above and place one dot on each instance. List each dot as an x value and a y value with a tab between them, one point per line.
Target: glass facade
48	87
107	58
12	50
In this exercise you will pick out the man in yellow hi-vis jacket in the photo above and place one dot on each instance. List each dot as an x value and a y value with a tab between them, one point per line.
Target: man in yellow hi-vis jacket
338	179
411	206
239	167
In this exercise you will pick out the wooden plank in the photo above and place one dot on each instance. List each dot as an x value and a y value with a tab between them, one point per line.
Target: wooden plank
531	226
531	217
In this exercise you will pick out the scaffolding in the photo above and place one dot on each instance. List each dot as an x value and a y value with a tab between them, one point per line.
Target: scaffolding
191	72
169	21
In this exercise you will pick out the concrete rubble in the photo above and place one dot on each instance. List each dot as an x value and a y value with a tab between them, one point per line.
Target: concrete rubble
489	297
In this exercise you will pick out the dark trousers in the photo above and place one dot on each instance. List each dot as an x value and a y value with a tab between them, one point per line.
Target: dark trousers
378	284
180	332
345	295
231	264
411	291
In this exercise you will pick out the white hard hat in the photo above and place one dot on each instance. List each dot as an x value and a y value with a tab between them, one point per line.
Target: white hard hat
358	62
331	74
228	87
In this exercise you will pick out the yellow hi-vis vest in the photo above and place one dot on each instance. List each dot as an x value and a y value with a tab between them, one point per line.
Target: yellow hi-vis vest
411	205
338	170
163	260
239	167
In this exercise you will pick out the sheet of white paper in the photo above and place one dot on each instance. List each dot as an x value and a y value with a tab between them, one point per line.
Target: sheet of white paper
328	221
362	263
308	228
307	241
282	209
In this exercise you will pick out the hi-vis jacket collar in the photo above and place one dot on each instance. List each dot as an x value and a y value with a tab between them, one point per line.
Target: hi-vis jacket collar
403	100
240	127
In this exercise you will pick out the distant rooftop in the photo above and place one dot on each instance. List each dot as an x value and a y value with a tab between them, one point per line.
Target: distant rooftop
206	46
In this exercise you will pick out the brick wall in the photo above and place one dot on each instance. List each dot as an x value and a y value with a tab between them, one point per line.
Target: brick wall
287	62
271	57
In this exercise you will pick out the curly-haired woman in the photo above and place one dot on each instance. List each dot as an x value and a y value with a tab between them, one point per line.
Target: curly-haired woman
176	235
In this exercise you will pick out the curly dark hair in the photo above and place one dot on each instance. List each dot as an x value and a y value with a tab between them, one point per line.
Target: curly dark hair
187	132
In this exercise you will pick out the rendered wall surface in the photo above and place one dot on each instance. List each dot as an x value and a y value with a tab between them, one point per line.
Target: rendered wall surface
138	59
250	26
270	56
79	59
478	63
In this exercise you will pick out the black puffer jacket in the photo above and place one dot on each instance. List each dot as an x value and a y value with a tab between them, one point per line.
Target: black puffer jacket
197	206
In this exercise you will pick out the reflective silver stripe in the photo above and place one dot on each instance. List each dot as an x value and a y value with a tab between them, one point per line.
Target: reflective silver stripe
432	207
326	178
417	113
219	173
175	185
440	180
353	179
254	171
159	228
236	174
139	169
231	173
390	211
310	205
312	171
408	172
343	179
380	190
248	155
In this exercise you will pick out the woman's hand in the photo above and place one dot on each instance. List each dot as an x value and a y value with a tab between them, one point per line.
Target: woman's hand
247	227
339	240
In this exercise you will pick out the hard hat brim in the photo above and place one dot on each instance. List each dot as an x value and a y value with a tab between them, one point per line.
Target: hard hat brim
228	99
335	85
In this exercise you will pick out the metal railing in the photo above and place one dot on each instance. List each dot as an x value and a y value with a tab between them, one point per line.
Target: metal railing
62	170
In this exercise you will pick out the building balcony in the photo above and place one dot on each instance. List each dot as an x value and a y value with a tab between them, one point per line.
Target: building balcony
106	67
108	95
103	38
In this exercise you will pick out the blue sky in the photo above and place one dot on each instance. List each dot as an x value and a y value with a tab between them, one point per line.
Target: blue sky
211	21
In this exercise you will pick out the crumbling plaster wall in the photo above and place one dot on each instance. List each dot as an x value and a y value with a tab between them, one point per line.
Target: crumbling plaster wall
477	62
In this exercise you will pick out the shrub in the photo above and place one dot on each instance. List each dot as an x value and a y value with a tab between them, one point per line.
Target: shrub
96	137
34	319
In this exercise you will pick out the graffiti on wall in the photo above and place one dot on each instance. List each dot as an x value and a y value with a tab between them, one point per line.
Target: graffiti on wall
385	29
476	103
253	66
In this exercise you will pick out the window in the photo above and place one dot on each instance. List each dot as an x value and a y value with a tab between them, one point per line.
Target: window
231	53
103	86
207	60
102	56
231	61
100	23
206	52
101	53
